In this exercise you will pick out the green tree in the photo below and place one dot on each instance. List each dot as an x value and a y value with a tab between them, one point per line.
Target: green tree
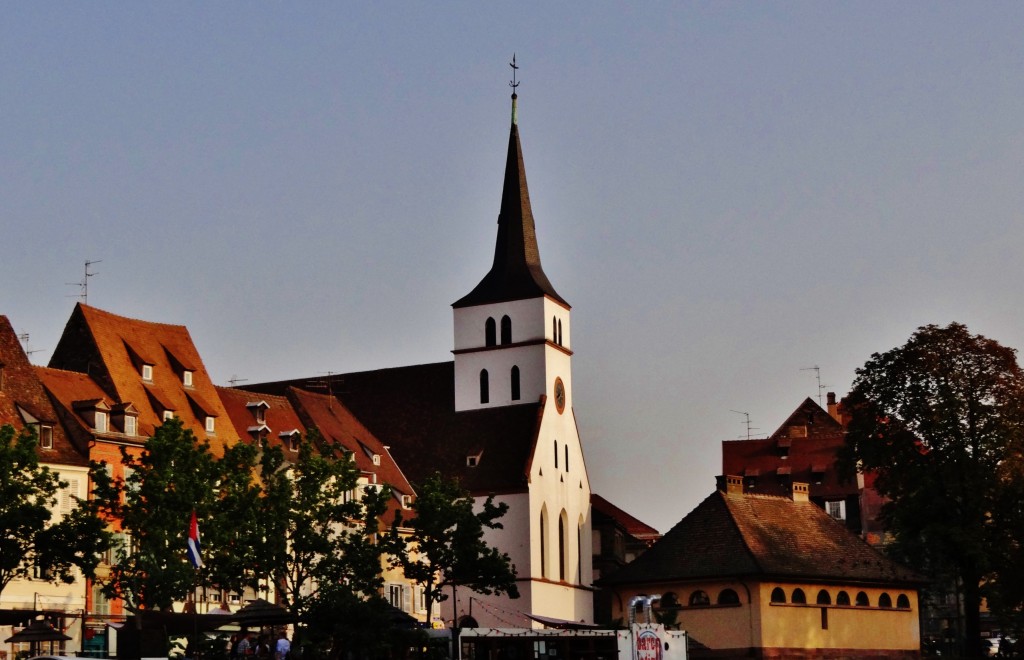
172	476
939	421
29	538
315	530
447	546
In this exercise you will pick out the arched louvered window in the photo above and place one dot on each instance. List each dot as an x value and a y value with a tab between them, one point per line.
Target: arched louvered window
799	596
903	602
485	387
700	597
506	330
554	329
559	342
824	597
862	599
842	598
515	383
778	595
490	332
885	600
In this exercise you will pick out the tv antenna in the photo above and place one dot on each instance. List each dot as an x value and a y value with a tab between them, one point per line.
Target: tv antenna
746	415
83	286
23	337
817	374
235	380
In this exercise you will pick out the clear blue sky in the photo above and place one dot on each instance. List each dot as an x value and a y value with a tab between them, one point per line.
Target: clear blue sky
726	193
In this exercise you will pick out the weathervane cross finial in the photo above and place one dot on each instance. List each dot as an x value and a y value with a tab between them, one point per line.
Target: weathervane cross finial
513	83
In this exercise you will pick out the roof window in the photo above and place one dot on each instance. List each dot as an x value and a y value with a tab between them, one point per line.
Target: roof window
147	372
186	378
211	424
258	410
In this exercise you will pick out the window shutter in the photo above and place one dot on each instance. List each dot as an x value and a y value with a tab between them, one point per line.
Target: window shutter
406	599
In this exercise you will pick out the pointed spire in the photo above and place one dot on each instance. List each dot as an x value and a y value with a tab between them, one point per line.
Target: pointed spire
516	273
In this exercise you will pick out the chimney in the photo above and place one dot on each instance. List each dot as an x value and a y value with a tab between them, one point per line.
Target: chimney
801	492
833	409
730	484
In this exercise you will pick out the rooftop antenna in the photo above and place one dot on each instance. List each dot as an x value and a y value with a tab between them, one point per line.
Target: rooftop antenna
234	380
326	383
817	373
747	416
83	286
23	337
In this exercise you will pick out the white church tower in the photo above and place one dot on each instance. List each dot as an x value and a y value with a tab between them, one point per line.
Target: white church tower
512	335
513	348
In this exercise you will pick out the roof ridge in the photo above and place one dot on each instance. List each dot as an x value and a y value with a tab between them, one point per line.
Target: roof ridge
96	310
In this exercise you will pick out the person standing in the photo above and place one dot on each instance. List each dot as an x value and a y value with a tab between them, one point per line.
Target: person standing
283	646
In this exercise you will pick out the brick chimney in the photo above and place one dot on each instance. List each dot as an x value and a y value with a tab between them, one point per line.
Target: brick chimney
801	492
730	484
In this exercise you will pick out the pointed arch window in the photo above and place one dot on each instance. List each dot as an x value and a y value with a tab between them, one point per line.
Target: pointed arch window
554	329
506	330
515	383
559	341
562	559
556	454
543	544
579	553
490	332
485	389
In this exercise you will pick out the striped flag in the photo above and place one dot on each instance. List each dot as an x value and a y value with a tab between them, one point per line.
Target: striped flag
193	543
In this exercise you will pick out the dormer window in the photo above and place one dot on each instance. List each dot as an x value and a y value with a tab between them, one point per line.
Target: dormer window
258	433
258	410
472	461
376	459
147	372
100	424
291	439
168	415
131	425
211	424
406	501
186	378
45	436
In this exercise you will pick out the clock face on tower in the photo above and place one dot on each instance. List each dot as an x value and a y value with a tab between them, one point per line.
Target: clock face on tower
559	395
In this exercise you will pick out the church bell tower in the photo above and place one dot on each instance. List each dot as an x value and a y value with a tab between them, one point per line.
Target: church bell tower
512	335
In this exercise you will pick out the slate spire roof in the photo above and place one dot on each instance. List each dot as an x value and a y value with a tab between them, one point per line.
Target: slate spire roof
516	273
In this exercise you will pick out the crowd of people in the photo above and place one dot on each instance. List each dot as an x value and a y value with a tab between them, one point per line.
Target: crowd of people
262	646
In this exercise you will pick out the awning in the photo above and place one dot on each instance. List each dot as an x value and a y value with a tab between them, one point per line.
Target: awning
562	624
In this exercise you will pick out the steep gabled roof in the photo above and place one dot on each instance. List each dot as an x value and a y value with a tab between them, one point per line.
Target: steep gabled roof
68	387
516	272
22	393
113	349
761	536
411	410
802	449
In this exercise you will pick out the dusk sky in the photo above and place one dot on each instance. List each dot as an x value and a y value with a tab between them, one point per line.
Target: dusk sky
727	193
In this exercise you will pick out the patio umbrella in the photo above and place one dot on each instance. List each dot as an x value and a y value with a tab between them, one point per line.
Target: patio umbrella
38	631
261	613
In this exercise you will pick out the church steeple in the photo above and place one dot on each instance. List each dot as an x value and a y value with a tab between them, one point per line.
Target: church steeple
516	273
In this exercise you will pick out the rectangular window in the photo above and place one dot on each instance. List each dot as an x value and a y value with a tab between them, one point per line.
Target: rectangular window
131	425
186	378
211	424
376	459
836	509
46	436
168	414
147	372
395	595
293	442
69	497
101	422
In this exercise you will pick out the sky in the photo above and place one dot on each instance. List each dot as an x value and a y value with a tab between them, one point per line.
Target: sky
728	194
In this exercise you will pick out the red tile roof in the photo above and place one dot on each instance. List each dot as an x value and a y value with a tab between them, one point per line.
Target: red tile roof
112	349
803	449
20	388
301	410
633	527
761	536
412	411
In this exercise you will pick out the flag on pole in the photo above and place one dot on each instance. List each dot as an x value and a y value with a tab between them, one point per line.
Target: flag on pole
193	543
